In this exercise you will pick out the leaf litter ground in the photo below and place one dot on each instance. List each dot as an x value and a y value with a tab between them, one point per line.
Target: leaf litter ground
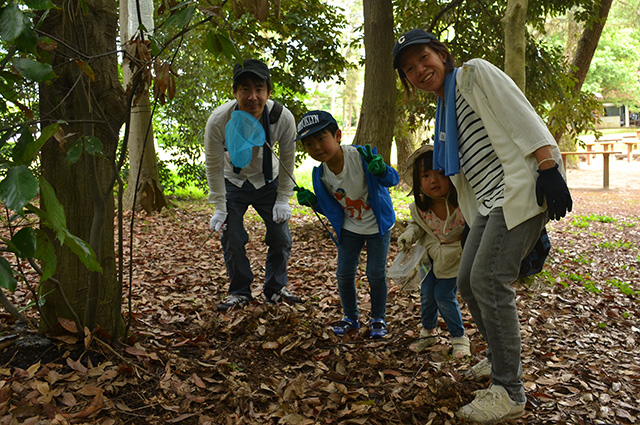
281	364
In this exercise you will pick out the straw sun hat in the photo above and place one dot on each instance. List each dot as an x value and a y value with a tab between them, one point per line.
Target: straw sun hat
407	176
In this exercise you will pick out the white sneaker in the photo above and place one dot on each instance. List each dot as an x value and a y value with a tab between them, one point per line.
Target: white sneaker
480	371
461	347
491	405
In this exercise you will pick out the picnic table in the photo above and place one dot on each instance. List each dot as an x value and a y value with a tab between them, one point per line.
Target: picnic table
631	145
607	142
605	160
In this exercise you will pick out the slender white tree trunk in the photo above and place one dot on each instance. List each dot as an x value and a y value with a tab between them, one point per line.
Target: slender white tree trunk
143	165
515	42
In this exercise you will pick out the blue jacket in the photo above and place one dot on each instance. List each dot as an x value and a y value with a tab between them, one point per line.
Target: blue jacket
379	198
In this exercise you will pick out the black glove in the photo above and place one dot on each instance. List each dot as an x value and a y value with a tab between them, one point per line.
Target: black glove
551	185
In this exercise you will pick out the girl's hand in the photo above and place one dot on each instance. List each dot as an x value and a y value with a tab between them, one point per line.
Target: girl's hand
404	242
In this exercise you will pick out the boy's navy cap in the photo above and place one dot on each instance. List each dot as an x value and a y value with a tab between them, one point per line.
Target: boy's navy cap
314	121
254	66
409	38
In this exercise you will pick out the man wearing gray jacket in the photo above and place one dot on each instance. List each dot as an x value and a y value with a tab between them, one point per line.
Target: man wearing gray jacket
232	189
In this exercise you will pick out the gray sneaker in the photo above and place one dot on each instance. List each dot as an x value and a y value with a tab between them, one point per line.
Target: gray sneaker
490	406
480	371
234	301
283	295
426	340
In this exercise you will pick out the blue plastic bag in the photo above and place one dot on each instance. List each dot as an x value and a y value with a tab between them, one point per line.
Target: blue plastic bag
242	133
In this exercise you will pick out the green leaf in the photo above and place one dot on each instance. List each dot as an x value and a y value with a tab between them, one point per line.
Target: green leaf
83	250
12	22
54	215
46	253
228	48
25	139
39	4
33	148
34	70
7	280
212	43
18	188
27	41
92	145
156	47
181	18
25	242
74	152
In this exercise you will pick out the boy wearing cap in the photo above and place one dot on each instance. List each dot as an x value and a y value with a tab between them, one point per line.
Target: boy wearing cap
351	190
232	190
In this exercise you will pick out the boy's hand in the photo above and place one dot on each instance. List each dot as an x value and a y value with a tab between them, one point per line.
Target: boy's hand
305	197
375	163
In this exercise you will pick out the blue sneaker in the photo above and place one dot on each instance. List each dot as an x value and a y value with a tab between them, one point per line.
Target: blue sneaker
345	325
378	328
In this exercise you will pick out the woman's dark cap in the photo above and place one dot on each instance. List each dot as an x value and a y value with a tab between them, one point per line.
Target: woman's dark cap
409	38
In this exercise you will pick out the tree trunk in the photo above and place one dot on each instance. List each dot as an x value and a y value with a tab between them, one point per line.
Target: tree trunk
586	48
406	141
142	160
91	106
377	115
143	163
515	43
588	43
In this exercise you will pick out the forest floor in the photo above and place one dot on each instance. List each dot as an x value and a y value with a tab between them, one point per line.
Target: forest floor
281	364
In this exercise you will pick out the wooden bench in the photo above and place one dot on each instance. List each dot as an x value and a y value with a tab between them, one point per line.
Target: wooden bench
631	143
589	146
607	142
605	158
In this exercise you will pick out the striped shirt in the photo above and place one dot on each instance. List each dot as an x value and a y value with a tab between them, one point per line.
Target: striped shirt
478	159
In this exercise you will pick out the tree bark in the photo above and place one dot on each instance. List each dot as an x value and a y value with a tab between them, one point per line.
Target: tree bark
377	115
588	43
586	48
406	141
91	105
143	163
515	42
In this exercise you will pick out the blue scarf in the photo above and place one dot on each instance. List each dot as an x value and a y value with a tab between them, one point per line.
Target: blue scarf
445	144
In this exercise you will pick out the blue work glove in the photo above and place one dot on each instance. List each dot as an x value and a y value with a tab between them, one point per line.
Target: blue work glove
551	185
375	163
305	197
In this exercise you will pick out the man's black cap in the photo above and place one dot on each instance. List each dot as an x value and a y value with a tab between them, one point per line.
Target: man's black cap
409	38
254	66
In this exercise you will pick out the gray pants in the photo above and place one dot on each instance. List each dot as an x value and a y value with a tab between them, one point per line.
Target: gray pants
235	238
490	264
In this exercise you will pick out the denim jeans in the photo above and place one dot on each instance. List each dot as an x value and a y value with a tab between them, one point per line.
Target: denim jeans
490	264
440	295
351	245
235	237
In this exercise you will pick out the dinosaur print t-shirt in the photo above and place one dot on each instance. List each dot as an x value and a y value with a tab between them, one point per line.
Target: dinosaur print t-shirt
350	189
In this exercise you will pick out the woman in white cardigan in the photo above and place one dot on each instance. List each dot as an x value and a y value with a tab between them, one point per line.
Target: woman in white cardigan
507	169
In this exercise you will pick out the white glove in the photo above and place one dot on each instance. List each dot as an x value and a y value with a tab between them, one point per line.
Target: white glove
404	241
217	221
281	212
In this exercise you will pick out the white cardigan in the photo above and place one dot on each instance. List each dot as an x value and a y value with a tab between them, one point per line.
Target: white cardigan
515	131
